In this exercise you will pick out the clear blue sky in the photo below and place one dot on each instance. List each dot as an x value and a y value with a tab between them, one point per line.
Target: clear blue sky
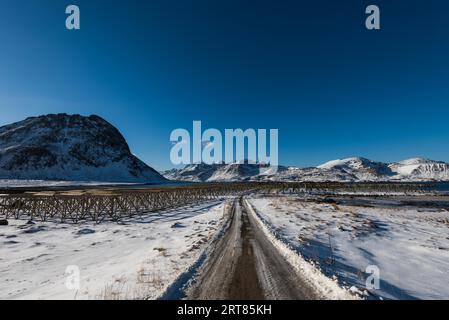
308	68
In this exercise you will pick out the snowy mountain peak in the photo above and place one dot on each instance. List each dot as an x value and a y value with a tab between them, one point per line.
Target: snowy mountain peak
417	161
69	147
421	169
354	162
361	168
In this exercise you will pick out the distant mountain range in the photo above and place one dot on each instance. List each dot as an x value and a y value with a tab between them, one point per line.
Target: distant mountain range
350	170
69	147
78	148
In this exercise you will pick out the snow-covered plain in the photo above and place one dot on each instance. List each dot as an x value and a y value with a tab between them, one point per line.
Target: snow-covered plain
136	259
410	246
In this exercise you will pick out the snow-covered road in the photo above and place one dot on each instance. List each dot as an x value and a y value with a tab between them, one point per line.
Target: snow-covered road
248	264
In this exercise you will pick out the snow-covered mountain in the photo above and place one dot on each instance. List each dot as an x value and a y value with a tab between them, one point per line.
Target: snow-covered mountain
361	168
421	169
350	170
69	147
220	172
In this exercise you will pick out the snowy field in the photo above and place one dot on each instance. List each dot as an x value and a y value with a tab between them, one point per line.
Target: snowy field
136	259
410	246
